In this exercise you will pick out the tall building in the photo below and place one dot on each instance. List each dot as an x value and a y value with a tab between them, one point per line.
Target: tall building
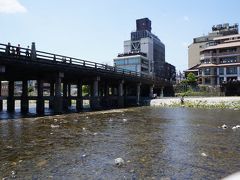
199	43
146	49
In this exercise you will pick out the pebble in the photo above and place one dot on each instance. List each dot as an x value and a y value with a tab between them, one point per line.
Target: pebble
55	120
95	134
110	120
84	155
84	129
224	126
119	162
124	120
54	126
203	154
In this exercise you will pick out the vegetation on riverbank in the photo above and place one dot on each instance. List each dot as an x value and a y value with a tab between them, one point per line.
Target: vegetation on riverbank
203	104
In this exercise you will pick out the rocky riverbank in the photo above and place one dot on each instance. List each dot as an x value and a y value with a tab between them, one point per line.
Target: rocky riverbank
199	102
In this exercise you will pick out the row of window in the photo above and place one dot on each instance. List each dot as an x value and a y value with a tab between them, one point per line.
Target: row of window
225	60
229	70
127	61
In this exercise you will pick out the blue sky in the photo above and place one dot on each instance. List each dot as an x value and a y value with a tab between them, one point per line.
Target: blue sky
95	29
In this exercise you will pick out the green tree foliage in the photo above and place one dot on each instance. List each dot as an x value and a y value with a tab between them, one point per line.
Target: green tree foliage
191	79
85	90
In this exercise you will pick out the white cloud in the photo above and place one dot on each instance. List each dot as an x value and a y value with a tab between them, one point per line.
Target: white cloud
186	18
11	6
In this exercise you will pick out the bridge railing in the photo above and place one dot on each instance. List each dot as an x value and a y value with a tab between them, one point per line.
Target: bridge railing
27	53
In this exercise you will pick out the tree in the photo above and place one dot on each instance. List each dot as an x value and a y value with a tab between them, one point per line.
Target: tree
191	79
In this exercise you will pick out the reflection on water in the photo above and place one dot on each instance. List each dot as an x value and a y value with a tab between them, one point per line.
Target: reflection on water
155	143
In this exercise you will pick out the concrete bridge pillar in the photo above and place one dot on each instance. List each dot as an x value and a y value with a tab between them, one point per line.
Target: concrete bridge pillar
57	97
79	102
106	101
24	97
161	95
69	95
1	102
120	94
65	96
138	93
51	102
40	99
95	101
151	91
10	98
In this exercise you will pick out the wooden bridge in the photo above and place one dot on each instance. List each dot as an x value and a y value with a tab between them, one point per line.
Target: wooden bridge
109	87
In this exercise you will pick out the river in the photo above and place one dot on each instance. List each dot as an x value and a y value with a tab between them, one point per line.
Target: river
155	143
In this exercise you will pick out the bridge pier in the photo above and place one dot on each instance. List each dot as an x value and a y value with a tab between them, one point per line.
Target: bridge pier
138	93
40	100
151	91
69	103
10	98
95	101
51	101
57	97
79	103
120	95
106	95
65	96
161	95
24	97
1	102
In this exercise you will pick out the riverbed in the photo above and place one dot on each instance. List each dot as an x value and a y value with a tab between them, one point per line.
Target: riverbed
155	143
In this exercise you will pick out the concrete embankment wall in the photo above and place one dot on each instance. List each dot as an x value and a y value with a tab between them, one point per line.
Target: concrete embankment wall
223	102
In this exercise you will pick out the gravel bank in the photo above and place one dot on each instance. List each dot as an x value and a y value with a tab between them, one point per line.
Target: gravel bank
221	102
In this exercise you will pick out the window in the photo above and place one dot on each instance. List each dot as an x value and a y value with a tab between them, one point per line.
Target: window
119	62
221	79
207	71
221	71
231	70
232	59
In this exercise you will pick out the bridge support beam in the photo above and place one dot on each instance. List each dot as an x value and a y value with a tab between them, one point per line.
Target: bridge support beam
24	97
138	93
58	98
10	98
51	102
65	97
69	95
151	91
95	100
106	101
161	95
1	102
40	100
120	95
79	105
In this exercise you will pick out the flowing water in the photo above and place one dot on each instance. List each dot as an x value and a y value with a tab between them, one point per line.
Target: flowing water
155	143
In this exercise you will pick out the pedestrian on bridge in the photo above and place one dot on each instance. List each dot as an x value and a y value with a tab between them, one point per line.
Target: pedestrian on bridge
8	47
18	50
27	52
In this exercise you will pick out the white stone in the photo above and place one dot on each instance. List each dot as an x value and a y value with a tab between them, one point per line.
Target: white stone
124	120
224	126
119	161
203	154
54	126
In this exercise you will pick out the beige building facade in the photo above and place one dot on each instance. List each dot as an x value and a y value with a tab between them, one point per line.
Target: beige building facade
199	43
